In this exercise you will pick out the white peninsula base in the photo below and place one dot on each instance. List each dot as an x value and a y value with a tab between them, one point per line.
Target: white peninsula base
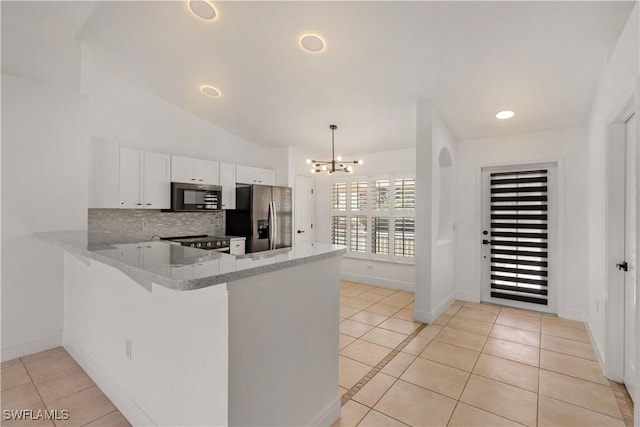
261	350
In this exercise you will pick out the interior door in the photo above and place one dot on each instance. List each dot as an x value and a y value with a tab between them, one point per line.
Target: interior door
518	235
304	208
629	264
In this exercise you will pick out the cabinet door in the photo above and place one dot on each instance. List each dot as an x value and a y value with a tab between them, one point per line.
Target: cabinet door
130	178
265	176
245	175
237	246
207	172
183	170
228	183
104	180
157	184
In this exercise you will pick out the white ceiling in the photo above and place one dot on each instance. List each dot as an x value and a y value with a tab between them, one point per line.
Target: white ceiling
472	59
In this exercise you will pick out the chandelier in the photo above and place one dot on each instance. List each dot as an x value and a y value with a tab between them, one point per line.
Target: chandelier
336	164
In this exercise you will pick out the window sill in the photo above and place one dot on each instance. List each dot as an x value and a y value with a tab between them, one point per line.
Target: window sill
389	261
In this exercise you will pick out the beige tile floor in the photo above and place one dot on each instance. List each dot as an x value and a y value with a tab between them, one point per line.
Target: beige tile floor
477	365
52	380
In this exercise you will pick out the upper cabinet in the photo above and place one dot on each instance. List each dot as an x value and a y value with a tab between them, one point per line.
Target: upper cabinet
194	171
228	183
249	175
144	180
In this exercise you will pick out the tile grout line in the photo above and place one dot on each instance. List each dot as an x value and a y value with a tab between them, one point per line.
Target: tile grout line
373	371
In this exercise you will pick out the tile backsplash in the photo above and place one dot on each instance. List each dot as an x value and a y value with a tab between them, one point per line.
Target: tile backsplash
144	223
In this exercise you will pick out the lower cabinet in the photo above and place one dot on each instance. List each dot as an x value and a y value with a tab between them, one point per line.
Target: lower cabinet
237	246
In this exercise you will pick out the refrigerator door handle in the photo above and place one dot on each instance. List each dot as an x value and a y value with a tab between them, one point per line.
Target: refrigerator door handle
272	228
275	226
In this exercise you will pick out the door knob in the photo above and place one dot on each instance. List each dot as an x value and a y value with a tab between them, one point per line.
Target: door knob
623	266
300	231
486	242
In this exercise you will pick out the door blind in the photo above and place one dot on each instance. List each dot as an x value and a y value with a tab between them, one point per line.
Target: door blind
519	236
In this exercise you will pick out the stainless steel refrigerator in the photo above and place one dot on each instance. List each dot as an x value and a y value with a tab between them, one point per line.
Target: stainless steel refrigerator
263	215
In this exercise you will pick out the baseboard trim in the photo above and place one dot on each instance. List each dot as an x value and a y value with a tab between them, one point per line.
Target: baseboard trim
598	350
572	314
378	281
120	399
429	316
328	415
30	347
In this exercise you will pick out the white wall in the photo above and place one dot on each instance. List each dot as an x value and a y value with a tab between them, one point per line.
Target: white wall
44	188
435	257
121	113
44	177
566	146
618	80
374	272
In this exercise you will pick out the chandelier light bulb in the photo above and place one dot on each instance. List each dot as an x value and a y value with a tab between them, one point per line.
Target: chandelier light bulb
324	167
360	162
308	161
313	171
339	158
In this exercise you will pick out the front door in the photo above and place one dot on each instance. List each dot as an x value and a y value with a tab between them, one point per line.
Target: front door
629	267
304	208
518	235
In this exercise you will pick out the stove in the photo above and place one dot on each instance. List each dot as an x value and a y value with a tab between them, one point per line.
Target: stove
202	241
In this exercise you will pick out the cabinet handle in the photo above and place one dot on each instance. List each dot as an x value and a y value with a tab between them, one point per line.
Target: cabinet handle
201	180
139	204
193	179
148	204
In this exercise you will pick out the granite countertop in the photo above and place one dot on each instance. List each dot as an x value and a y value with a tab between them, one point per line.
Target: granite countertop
179	267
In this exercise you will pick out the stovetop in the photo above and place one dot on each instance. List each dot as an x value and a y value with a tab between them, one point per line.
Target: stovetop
201	241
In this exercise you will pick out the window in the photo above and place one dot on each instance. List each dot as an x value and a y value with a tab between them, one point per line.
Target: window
405	237
339	230
339	202
375	217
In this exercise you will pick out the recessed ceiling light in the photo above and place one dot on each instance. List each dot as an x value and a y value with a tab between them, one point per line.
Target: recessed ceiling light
506	114
203	9
312	43
210	91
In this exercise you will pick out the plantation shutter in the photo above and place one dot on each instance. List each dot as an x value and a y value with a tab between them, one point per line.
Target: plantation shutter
519	236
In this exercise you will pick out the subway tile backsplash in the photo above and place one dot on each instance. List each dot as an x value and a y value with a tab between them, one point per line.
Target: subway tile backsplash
144	223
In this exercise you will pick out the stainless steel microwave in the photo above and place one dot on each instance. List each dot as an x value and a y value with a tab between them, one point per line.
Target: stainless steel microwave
195	197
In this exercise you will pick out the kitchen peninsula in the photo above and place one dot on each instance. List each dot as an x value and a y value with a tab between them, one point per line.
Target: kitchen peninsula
181	336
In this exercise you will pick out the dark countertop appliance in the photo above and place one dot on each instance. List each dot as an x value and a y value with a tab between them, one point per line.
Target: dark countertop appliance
263	215
202	241
195	197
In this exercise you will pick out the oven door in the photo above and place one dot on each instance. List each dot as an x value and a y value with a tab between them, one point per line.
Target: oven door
226	250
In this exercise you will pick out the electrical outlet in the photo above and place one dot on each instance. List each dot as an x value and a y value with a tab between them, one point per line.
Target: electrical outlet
127	346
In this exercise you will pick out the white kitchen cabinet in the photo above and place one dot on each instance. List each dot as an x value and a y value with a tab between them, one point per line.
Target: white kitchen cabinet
104	180
156	181
237	245
131	178
250	175
228	183
194	171
144	180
